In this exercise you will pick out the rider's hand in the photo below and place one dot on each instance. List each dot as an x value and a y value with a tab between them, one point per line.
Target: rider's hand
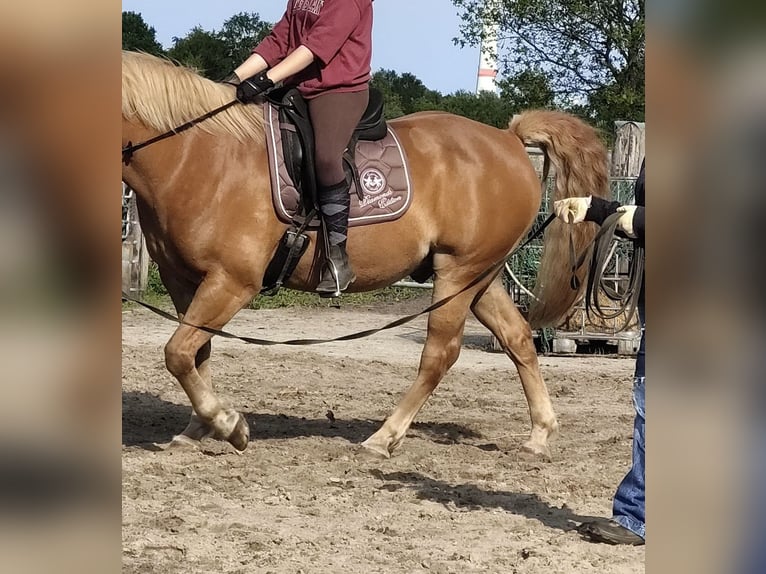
249	90
572	209
625	223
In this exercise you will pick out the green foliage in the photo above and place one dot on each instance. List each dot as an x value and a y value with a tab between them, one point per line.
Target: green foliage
154	284
138	36
240	34
405	94
157	293
528	89
215	54
592	53
485	107
203	51
290	298
617	102
402	94
392	101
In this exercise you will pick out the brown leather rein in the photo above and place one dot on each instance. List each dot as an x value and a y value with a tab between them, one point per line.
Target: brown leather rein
490	271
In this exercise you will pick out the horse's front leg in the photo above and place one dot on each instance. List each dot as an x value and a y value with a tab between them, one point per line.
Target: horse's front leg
215	302
182	293
197	429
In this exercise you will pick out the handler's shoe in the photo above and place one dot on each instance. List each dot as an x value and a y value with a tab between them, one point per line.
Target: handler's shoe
609	532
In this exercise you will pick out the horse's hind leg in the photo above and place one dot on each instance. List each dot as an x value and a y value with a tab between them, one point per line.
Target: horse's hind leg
496	310
441	350
216	301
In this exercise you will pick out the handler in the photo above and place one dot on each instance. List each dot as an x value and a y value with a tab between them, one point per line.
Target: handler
628	523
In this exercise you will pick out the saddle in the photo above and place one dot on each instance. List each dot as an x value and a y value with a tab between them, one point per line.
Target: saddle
374	161
297	138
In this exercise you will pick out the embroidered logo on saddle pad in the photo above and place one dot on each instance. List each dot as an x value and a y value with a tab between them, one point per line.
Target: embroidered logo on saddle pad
383	175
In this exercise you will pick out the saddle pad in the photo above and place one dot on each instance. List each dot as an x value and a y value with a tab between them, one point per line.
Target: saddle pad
383	173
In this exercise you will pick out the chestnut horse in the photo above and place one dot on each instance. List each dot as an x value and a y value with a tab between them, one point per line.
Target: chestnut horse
205	206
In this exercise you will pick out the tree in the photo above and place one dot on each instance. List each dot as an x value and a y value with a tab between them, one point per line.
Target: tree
485	107
405	94
526	90
240	34
405	91
138	36
383	81
204	51
592	52
217	53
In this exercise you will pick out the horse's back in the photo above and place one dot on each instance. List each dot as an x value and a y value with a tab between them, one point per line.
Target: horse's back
473	181
435	135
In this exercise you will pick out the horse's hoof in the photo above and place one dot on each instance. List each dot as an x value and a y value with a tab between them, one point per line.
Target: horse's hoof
240	436
180	442
535	452
197	429
374	447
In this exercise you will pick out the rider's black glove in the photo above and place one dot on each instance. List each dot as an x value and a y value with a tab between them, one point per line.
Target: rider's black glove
249	90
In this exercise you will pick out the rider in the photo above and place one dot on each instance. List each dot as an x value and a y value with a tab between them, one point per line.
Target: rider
324	48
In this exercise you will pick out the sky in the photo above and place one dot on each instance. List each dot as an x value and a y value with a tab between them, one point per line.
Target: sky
412	36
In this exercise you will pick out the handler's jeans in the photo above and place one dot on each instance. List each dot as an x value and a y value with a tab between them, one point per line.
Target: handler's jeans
629	507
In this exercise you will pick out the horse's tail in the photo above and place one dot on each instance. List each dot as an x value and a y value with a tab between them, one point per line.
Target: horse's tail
579	158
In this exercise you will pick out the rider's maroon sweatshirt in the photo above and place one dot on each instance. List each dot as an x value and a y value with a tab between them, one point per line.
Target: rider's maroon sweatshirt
338	32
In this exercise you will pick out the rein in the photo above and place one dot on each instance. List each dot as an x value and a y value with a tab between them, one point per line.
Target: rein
492	270
627	301
131	148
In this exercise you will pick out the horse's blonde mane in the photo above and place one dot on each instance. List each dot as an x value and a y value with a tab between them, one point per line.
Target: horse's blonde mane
162	95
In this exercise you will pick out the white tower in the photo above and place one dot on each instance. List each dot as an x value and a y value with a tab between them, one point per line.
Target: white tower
485	81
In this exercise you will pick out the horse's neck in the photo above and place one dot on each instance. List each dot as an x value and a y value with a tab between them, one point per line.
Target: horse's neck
193	160
141	171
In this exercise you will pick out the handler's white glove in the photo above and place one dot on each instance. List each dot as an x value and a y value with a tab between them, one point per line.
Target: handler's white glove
625	223
572	209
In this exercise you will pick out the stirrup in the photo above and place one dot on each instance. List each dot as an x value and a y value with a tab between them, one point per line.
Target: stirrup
334	272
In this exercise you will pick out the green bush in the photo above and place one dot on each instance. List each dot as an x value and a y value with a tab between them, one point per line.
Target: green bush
291	298
154	284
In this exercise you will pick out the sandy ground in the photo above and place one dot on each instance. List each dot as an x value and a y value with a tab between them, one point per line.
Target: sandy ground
305	498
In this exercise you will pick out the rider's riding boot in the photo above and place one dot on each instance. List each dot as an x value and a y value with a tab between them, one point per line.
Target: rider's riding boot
337	274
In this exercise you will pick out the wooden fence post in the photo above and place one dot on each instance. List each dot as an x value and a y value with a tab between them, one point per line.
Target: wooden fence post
135	257
629	149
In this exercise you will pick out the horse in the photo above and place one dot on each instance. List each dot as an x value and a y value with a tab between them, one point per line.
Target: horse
205	205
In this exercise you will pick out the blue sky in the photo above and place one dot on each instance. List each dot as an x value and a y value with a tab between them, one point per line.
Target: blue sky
412	36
